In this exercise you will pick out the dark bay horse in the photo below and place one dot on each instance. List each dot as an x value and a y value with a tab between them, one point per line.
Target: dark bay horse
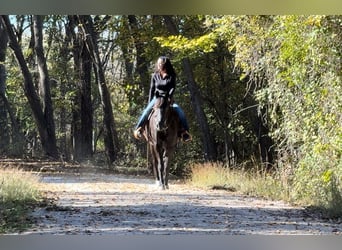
161	133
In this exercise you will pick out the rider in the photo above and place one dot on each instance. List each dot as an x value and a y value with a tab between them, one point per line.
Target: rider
163	81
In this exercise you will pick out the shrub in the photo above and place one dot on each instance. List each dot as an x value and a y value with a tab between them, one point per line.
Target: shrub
251	182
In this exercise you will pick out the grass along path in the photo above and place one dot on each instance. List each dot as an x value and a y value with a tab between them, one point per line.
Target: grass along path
19	193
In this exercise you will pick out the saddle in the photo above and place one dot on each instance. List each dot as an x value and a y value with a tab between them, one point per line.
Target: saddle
159	94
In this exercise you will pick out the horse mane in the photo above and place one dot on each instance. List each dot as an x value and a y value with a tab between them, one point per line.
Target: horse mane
160	101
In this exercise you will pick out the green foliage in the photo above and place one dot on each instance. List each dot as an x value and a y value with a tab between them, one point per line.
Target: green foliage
228	105
294	63
203	37
285	69
300	62
185	46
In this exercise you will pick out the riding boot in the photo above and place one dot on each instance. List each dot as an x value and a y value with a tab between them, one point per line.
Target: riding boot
137	133
186	137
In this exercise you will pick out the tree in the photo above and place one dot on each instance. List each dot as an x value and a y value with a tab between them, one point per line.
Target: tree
44	88
141	60
5	137
42	117
82	124
196	100
60	37
109	133
297	62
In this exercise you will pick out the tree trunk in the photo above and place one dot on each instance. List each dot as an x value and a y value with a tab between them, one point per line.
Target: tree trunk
142	68
265	142
75	135
83	108
45	127
142	64
4	130
82	125
196	100
126	51
86	103
65	81
111	140
44	86
14	137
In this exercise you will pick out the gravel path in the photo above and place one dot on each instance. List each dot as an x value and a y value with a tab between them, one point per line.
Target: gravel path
121	205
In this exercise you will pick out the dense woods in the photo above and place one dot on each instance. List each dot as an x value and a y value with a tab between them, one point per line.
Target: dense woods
260	92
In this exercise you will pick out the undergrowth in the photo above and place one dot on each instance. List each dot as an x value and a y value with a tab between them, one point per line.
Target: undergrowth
249	182
269	185
18	194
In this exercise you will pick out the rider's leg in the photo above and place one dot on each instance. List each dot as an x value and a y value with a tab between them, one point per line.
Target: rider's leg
186	137
142	119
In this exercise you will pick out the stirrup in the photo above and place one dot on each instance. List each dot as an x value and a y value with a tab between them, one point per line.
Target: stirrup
137	133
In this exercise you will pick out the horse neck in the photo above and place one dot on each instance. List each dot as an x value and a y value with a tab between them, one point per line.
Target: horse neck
161	110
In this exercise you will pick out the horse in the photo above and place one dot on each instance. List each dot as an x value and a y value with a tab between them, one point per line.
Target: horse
161	133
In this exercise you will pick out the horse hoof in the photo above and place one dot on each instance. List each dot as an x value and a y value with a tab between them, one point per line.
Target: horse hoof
159	184
164	187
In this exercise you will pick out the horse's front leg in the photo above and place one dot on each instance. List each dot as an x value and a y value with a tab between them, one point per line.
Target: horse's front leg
167	157
166	171
161	169
155	164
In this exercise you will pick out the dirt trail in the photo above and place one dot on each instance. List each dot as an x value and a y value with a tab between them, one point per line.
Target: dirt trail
122	205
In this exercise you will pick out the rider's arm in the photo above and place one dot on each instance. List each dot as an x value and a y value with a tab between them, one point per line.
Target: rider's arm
172	86
152	88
